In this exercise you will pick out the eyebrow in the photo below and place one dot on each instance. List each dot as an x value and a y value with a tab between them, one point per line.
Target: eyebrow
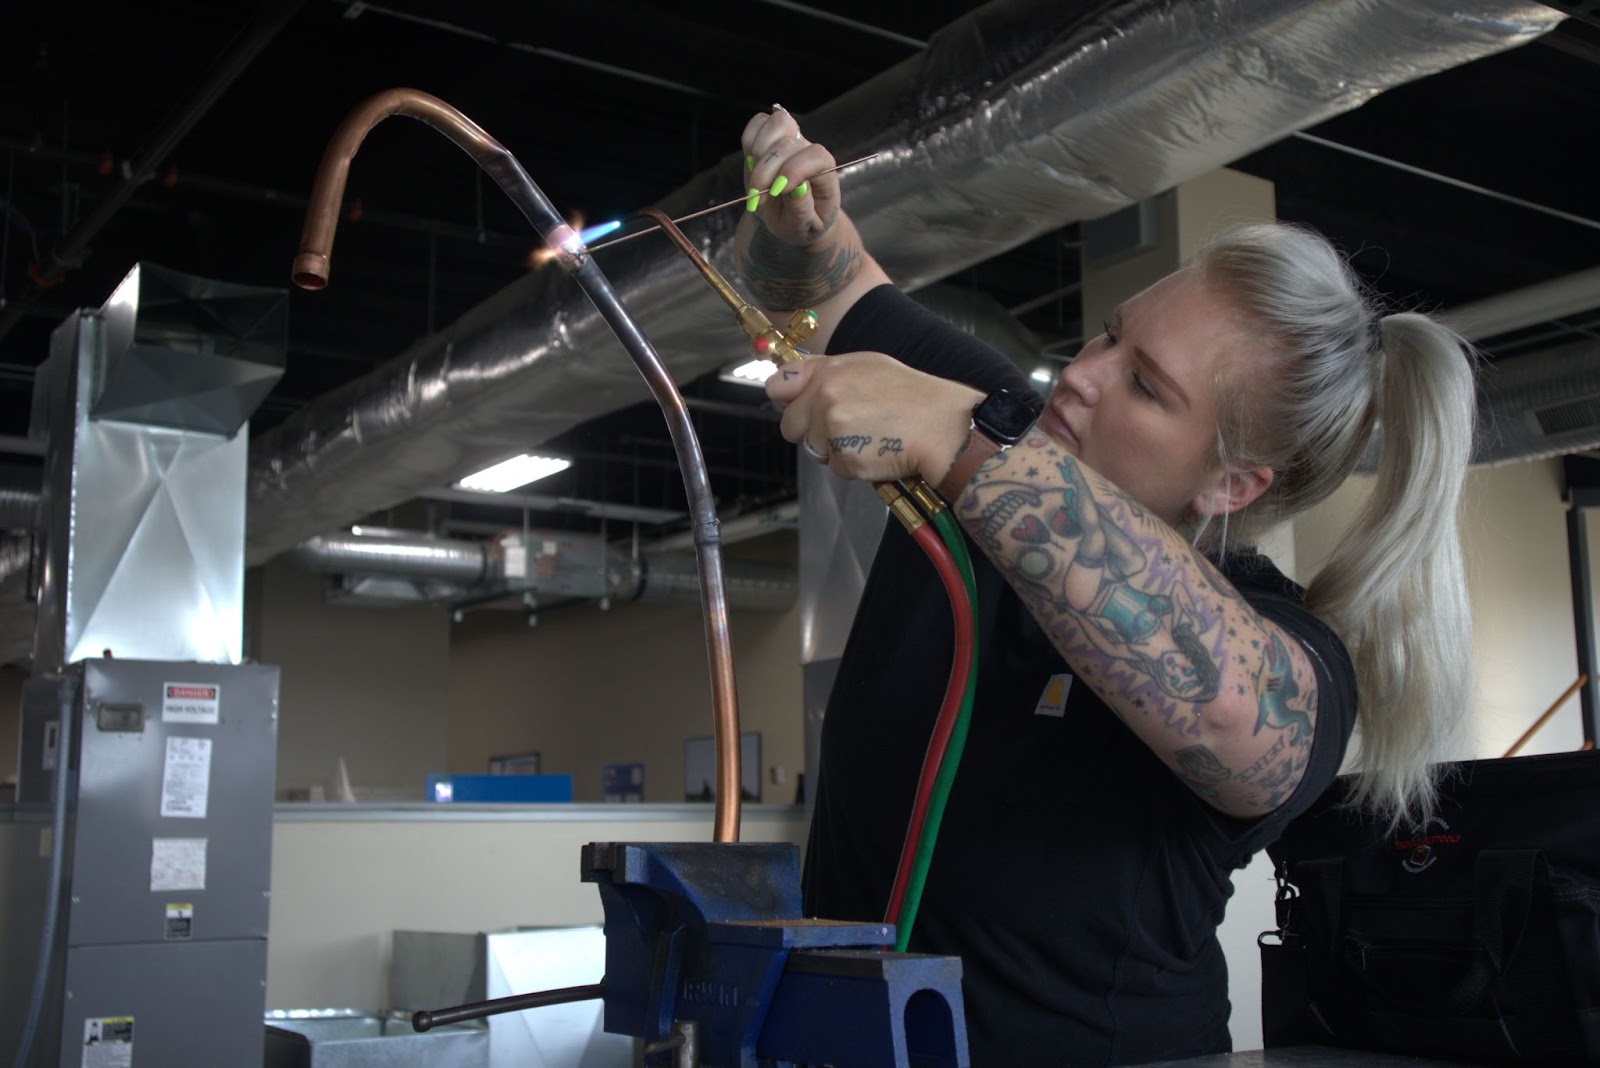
1156	370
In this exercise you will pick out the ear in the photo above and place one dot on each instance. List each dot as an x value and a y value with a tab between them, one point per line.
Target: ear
1230	492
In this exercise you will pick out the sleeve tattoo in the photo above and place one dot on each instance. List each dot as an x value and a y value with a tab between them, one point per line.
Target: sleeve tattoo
1148	623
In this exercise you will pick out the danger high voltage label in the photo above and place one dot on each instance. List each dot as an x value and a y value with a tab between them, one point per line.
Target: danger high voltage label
190	702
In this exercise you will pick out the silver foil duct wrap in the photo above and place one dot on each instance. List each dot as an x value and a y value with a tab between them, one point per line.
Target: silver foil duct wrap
1020	118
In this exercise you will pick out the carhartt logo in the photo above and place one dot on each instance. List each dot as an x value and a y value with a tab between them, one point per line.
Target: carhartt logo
1053	702
1421	851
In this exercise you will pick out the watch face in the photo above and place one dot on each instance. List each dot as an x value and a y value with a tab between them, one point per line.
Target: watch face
1005	416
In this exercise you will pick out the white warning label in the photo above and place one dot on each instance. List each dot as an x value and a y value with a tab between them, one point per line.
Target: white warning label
186	778
177	864
108	1042
190	702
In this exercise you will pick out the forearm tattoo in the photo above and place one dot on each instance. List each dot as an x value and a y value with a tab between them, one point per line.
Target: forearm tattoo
784	276
1148	622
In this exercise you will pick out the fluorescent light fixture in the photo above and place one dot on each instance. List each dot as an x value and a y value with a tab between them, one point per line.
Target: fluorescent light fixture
517	471
1042	374
749	373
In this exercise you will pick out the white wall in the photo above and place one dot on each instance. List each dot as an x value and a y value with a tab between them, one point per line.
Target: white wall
340	887
587	688
368	684
1523	639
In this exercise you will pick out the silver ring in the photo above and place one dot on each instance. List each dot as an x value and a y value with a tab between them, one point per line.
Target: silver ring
812	451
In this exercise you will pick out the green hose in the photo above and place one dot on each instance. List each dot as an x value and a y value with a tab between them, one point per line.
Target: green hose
950	531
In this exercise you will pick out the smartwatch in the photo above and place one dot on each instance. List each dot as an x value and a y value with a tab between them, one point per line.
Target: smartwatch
998	422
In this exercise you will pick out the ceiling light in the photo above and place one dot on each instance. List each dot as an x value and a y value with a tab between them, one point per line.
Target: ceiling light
517	471
749	373
1041	374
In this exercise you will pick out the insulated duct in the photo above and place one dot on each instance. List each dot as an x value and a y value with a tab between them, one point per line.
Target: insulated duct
1019	118
546	564
1543	404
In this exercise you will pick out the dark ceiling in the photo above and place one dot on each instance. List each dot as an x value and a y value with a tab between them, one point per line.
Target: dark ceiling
611	104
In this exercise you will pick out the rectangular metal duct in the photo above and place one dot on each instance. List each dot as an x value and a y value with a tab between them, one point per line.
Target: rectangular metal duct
189	353
144	491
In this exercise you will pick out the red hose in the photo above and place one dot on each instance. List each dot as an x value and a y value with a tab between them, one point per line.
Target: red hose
955	690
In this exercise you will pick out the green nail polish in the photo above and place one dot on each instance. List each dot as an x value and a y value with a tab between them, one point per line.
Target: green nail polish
754	200
749	163
800	190
780	185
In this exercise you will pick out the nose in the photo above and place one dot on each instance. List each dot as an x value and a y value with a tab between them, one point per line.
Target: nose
1081	377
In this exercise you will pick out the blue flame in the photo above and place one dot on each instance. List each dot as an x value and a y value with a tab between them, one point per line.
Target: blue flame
599	230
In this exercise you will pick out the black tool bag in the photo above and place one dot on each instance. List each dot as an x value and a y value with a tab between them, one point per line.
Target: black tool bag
1476	937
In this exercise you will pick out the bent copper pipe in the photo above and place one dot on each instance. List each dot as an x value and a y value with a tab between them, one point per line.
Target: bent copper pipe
311	267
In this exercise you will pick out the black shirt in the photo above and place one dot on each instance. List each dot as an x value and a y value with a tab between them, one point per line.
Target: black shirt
1078	879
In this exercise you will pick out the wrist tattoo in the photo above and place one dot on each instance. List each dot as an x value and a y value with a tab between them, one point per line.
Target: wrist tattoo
782	275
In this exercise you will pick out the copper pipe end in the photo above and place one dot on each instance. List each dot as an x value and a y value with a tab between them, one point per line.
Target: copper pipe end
310	271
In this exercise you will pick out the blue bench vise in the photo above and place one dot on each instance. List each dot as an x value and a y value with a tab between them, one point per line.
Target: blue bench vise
705	945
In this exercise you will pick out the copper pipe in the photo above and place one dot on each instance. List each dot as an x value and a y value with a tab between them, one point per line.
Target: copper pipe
311	268
1542	720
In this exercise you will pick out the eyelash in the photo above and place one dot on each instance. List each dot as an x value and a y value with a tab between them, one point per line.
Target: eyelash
1140	386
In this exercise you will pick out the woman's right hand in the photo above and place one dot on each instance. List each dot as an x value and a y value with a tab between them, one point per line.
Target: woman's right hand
803	203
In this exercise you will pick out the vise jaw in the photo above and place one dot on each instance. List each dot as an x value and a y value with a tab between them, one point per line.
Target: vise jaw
710	935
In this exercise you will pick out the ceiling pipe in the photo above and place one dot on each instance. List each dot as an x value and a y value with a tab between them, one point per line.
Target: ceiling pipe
465	571
69	252
1016	120
1543	302
465	562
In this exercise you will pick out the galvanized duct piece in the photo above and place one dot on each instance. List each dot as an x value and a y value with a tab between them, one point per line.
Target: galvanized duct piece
17	613
465	562
455	570
673	577
1018	119
19	498
1543	404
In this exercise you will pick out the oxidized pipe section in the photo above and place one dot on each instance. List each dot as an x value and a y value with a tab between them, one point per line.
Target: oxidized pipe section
311	267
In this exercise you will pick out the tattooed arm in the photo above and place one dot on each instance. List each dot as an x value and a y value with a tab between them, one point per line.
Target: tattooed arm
1222	695
799	252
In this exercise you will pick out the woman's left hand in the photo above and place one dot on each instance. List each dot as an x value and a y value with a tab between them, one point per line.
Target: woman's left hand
869	416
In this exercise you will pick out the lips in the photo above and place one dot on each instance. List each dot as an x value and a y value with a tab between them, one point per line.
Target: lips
1053	424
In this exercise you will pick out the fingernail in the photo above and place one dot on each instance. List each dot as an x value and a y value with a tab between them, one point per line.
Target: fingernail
780	185
777	107
749	163
800	190
754	200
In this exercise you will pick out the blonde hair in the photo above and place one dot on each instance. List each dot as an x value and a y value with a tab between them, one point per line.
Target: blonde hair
1333	371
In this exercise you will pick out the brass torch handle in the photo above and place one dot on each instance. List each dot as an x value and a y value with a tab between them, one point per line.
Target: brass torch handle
780	346
783	346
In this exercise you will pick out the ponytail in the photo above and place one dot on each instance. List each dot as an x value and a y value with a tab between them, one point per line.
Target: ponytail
1394	587
1331	375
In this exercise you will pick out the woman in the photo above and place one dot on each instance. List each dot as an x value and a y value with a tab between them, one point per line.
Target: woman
1155	701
